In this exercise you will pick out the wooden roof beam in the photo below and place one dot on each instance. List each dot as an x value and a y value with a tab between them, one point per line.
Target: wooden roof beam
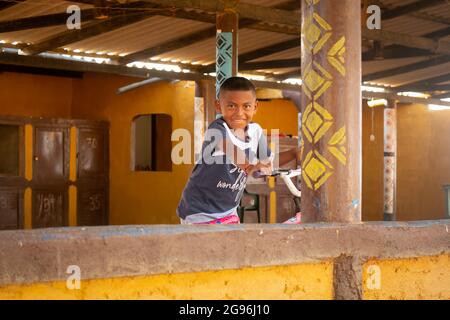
47	20
245	10
424	84
269	64
5	4
90	30
261	52
409	8
169	45
408	68
184	41
425	43
78	66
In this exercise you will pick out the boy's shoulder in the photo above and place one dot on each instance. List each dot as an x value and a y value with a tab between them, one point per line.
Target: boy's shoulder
217	123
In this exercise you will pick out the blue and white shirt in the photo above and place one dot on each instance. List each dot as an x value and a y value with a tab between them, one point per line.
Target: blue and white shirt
216	184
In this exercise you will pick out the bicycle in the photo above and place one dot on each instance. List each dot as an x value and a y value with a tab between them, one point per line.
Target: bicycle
286	175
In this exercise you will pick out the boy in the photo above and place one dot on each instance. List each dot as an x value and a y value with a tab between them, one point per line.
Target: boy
234	147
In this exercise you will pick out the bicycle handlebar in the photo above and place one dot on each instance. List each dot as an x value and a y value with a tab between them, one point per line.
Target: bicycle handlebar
286	175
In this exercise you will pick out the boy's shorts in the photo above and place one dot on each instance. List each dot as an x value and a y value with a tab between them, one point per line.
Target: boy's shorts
230	219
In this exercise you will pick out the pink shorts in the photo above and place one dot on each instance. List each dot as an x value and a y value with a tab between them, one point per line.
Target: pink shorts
233	219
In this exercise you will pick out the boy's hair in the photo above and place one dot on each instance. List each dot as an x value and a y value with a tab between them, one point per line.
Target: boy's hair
237	84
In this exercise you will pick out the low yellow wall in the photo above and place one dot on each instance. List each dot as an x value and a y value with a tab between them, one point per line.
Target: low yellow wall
306	281
416	278
309	261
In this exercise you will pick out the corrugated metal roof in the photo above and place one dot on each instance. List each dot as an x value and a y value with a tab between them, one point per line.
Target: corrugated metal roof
286	54
379	65
411	24
416	75
32	8
248	40
32	35
143	34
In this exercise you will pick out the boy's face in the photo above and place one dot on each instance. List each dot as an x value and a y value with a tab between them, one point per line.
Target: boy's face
237	107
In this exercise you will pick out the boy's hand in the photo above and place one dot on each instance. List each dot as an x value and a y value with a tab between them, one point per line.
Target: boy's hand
265	169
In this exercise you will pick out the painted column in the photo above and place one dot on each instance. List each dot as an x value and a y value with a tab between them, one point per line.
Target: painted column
390	160
331	110
227	23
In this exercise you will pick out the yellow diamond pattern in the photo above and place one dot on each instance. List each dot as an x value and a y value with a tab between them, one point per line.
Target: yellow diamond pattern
313	122
313	80
312	33
316	170
317	32
317	80
316	121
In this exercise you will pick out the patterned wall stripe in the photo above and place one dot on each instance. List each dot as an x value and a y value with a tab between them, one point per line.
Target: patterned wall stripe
224	58
390	147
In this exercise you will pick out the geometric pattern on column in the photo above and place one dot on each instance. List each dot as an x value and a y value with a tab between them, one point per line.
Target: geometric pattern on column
390	147
316	119
224	58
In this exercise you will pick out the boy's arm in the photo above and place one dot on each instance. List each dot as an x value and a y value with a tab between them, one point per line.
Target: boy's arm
239	158
236	155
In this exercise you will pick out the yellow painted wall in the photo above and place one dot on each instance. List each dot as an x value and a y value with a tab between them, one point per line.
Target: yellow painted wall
416	278
137	197
423	162
35	95
277	114
423	156
307	281
412	278
372	164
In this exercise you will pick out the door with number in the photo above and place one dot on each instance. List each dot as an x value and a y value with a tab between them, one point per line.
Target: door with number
92	177
50	175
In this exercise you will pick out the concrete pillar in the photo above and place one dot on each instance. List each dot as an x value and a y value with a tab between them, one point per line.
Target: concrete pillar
227	23
390	160
331	110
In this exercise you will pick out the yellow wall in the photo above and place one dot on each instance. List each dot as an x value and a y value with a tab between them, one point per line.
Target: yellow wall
277	114
423	159
415	278
423	162
307	281
35	95
412	278
137	197
372	164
